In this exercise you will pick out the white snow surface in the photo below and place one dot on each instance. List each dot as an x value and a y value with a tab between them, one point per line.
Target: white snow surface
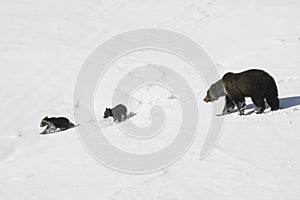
43	45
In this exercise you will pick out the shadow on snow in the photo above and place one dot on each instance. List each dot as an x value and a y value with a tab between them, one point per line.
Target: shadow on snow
286	102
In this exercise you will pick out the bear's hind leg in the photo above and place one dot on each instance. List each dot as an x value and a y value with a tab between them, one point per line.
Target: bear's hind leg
273	102
71	125
259	102
63	128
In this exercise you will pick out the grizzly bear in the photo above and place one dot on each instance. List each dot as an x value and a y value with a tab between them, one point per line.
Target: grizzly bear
54	123
254	83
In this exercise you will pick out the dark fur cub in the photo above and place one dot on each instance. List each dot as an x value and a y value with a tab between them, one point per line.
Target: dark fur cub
119	113
54	123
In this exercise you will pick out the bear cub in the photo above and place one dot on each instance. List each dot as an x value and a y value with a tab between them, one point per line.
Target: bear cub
254	83
119	113
54	123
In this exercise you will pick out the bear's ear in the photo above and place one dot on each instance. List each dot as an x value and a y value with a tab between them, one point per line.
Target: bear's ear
106	109
46	117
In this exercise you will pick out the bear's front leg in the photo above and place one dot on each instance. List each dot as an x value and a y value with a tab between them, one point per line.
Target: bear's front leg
47	130
120	119
241	107
52	128
117	118
239	101
229	105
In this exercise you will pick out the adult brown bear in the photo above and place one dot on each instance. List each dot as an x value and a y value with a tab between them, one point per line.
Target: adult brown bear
254	83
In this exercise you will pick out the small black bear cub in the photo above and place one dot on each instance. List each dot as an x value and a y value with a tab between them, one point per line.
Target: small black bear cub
254	83
54	123
119	113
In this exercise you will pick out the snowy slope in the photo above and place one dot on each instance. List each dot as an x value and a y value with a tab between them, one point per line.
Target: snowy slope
44	44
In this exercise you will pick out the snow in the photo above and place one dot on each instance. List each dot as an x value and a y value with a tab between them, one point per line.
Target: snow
43	46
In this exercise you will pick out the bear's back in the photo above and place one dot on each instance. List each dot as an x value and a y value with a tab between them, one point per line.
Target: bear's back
60	121
119	109
249	82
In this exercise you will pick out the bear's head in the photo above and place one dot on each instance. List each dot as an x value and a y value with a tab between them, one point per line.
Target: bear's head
44	122
107	113
215	91
207	97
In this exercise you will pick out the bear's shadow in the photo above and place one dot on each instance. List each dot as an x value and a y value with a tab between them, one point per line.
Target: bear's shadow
285	103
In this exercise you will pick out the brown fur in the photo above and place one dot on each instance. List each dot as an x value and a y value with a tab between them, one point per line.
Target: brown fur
254	83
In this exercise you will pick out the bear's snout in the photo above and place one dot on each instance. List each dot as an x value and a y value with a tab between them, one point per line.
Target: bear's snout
206	99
